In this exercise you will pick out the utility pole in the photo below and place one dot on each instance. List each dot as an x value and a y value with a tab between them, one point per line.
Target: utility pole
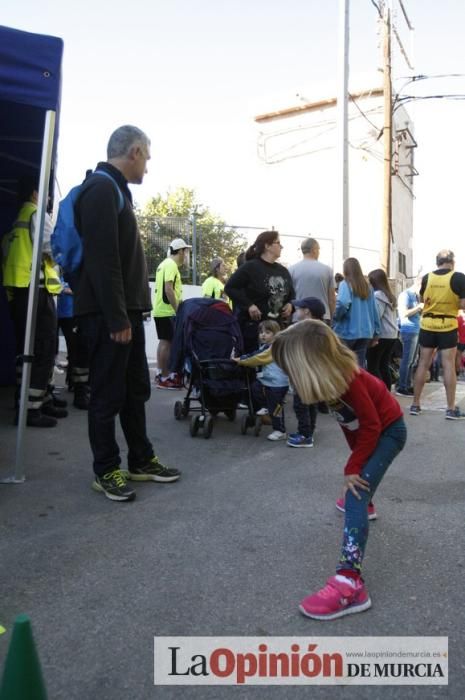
342	119
387	135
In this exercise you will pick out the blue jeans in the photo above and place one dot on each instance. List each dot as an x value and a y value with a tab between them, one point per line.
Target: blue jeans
390	443
359	346
409	349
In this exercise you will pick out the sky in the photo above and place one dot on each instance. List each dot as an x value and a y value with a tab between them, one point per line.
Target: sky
193	74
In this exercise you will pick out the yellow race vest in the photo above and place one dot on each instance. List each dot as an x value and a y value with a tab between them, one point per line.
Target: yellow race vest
441	304
17	255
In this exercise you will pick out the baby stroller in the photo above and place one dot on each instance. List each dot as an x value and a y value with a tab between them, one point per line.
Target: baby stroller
206	337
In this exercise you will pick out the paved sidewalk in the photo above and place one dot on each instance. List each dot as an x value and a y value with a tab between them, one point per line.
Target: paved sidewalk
229	550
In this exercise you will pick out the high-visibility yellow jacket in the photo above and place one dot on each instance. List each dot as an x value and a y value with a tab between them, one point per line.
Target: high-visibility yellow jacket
17	258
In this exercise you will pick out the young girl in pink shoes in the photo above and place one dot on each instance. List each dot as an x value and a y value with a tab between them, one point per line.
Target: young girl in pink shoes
321	368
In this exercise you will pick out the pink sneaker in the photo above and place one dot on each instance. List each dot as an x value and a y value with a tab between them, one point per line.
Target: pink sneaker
338	598
372	514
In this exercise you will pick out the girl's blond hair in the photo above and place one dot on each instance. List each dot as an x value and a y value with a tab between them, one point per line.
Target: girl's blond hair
319	366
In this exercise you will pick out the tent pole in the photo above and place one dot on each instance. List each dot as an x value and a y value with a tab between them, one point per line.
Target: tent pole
44	181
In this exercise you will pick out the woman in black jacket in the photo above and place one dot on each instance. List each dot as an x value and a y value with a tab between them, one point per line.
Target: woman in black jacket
261	288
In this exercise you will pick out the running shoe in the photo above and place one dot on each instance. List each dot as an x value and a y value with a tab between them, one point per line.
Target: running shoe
338	598
414	410
298	440
404	392
277	435
114	486
168	384
455	414
154	471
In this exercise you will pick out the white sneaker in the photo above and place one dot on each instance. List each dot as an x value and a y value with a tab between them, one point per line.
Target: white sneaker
277	435
262	412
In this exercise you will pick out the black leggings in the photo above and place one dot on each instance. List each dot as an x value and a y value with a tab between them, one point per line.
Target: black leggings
379	358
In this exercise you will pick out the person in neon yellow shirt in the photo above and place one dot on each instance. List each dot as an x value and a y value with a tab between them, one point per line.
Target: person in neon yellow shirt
166	299
214	285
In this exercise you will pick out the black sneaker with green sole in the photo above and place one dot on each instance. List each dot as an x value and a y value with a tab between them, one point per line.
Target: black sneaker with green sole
154	471
114	486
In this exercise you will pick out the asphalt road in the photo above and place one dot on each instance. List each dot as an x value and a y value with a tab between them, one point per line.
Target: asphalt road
229	550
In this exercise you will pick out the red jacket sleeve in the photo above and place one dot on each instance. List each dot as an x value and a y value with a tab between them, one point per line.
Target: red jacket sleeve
362	441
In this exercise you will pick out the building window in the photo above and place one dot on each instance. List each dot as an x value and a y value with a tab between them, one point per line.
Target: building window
402	264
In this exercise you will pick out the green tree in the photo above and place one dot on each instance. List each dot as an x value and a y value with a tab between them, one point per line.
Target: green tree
171	216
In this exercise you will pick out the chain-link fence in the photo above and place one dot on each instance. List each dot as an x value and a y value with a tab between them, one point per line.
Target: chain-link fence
157	234
207	238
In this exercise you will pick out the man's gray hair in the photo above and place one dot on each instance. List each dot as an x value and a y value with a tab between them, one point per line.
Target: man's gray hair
123	139
308	245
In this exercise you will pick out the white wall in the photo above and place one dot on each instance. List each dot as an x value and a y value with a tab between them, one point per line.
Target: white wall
303	178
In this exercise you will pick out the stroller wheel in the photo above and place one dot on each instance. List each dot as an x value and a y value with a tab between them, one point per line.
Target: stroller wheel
244	424
257	426
179	410
208	427
231	415
194	425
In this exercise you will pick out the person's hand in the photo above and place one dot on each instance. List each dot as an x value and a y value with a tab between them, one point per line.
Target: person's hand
235	359
352	482
123	337
67	290
254	313
373	342
286	311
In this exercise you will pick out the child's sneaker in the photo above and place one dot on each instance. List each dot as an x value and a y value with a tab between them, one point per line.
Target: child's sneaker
339	597
276	435
414	410
262	412
298	440
372	514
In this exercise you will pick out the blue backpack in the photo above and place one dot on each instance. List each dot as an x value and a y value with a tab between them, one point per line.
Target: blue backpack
66	240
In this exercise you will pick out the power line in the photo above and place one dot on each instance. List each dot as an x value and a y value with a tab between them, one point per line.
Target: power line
412	98
421	76
363	113
404	12
401	46
377	7
417	78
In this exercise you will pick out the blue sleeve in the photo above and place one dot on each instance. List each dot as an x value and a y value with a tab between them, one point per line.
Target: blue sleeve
343	302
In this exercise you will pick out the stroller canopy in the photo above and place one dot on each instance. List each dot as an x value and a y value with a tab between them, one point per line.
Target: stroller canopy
206	327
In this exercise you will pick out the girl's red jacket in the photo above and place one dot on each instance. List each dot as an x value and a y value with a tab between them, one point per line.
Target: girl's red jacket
363	412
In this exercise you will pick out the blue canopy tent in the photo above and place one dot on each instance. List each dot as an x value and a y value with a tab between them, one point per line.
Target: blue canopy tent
30	84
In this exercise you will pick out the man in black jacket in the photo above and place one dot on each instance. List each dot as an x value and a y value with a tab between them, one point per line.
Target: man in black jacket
111	296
